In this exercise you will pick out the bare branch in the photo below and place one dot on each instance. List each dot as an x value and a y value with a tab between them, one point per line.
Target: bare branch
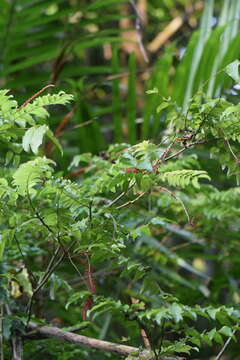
63	335
218	357
34	96
138	27
54	332
130	202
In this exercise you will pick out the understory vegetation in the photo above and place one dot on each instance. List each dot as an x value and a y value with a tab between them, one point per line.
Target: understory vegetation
119	180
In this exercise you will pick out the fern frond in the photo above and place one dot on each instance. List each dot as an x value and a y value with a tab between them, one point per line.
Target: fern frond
186	162
183	178
7	105
28	113
31	173
219	205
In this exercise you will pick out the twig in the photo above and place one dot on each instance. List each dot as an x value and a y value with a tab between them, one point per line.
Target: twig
121	195
138	28
164	35
124	74
184	148
180	246
218	357
163	156
76	172
85	123
51	267
60	129
34	96
130	202
176	198
35	211
174	25
73	264
59	63
117	198
143	332
23	257
175	154
230	148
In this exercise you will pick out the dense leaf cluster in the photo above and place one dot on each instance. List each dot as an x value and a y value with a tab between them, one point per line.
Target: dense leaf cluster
115	222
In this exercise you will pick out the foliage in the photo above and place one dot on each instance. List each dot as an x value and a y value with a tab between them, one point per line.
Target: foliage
141	249
119	220
60	47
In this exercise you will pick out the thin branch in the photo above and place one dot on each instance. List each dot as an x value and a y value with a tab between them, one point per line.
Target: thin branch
218	357
123	75
186	147
173	26
36	212
175	154
60	129
138	27
23	257
230	148
130	202
51	267
85	123
121	195
176	198
161	38
34	96
164	154
73	264
143	331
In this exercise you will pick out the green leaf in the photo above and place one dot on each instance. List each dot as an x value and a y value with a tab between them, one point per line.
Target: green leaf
218	338
152	91
33	138
176	311
226	330
232	70
162	106
23	279
212	313
30	173
77	297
